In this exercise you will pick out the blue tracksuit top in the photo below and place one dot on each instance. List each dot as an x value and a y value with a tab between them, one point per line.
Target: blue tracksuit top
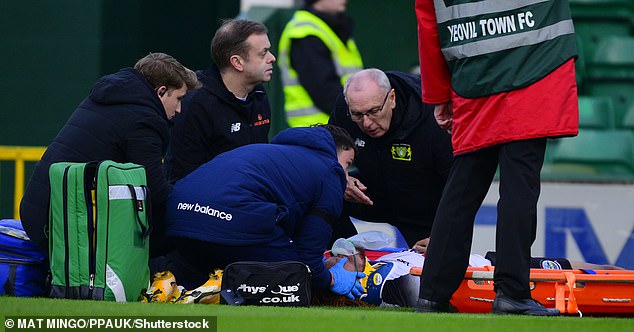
263	194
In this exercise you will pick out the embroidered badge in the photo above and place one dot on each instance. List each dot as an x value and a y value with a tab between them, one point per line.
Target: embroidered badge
261	121
551	265
402	152
377	279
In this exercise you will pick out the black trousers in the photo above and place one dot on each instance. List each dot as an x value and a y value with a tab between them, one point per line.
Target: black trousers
447	257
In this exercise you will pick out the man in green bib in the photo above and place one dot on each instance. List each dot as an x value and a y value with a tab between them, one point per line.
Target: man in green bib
502	77
316	55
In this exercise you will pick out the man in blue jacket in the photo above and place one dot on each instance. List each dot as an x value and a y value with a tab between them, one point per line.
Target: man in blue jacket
264	202
125	118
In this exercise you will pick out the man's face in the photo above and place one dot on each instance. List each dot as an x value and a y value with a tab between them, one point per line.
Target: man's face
355	263
171	100
359	260
345	157
371	109
331	6
258	66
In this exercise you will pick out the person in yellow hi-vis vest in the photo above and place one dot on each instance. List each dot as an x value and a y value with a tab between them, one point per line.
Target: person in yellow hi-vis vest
316	55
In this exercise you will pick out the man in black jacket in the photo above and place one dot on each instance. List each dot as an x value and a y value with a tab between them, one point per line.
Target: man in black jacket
404	157
232	108
125	118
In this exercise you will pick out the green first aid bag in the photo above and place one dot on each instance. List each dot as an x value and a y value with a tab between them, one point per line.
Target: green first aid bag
99	231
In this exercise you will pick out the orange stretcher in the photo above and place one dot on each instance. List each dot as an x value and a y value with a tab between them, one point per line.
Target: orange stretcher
573	292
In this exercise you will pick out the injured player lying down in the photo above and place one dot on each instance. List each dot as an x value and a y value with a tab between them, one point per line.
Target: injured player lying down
389	282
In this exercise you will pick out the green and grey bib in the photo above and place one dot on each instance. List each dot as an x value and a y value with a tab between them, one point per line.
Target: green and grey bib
501	45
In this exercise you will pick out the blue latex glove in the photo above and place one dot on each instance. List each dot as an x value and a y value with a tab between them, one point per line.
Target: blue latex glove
345	282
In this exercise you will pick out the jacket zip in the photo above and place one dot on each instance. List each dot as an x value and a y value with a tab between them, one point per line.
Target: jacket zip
91	205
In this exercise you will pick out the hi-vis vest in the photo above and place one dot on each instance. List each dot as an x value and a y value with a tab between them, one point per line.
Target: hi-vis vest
300	108
503	45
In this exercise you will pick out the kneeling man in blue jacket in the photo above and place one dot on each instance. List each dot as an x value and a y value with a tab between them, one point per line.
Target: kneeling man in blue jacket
264	202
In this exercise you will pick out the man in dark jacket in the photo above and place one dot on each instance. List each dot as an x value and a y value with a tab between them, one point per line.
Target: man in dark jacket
125	119
232	108
263	202
404	157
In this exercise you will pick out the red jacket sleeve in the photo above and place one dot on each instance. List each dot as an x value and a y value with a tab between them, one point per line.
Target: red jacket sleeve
435	78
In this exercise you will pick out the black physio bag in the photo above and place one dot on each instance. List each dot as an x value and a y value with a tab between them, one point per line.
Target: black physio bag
286	284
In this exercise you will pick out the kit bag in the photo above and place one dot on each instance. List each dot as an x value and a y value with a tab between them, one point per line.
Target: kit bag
99	231
286	284
23	270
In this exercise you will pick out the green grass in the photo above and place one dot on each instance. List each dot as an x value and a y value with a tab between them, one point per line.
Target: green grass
248	319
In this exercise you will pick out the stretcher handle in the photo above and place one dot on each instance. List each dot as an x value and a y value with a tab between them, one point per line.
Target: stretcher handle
550	276
572	300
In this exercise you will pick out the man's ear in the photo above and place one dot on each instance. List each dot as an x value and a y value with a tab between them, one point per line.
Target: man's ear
161	90
237	62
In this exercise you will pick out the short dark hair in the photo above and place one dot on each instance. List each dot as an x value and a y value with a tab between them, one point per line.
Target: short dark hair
161	69
343	140
231	38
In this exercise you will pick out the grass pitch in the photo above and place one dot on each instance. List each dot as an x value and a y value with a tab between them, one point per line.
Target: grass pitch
248	318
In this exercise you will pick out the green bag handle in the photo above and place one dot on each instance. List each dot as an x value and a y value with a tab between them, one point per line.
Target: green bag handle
145	231
148	207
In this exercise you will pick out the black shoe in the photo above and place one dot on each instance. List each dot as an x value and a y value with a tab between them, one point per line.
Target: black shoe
424	305
503	304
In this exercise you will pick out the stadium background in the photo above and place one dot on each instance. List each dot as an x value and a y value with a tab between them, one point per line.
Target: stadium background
53	51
